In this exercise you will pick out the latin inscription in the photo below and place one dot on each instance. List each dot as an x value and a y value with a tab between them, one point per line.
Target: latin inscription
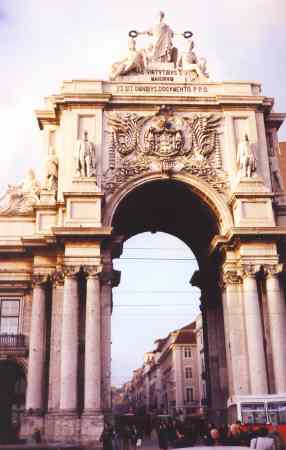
161	89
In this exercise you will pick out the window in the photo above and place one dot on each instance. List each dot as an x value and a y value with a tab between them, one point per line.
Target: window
9	316
188	372
190	394
188	352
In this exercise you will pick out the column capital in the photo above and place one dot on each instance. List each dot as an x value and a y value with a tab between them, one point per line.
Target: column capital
272	270
231	276
58	277
39	279
111	278
70	271
92	271
249	270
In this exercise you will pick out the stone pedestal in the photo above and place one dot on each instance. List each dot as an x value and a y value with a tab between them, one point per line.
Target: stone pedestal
91	429
29	423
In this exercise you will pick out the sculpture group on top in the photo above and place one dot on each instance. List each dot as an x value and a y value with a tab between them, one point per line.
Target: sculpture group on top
161	50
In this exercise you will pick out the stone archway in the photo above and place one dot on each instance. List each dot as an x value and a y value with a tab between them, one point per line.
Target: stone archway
185	208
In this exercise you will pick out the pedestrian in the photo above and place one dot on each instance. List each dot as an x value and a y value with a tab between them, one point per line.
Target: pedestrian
125	436
263	441
163	436
106	437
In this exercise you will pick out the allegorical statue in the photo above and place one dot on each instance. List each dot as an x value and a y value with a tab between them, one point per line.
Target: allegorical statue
134	61
162	49
20	199
51	171
189	60
245	158
85	157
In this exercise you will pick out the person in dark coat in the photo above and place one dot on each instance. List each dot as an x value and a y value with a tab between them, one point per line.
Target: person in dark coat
106	438
163	436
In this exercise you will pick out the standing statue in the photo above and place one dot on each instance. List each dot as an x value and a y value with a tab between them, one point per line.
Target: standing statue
245	158
51	171
133	62
162	46
85	157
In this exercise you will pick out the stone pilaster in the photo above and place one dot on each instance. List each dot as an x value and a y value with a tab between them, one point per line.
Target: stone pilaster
69	344
35	385
254	332
92	382
277	320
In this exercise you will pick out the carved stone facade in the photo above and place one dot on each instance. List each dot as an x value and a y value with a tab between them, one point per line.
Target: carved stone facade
153	150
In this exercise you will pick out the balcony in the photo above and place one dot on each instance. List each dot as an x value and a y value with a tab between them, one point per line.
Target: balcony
13	344
191	403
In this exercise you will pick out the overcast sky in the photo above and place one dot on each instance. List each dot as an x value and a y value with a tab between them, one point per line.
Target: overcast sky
43	42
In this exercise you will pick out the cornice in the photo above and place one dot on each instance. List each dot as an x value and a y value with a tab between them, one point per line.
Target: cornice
247	233
82	232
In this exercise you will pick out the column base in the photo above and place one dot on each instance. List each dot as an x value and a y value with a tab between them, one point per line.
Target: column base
63	426
91	428
29	422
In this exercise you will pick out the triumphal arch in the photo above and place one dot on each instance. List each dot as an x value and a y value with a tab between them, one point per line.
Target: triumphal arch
158	147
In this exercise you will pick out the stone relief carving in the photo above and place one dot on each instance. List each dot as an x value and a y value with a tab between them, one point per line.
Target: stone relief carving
246	160
51	171
20	199
85	157
163	142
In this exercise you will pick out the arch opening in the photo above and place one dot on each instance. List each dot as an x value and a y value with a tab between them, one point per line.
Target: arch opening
176	208
171	207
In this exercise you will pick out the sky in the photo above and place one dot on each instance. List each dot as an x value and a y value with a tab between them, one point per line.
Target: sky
43	42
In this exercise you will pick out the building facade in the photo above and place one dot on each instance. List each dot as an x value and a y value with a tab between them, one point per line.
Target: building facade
159	147
170	381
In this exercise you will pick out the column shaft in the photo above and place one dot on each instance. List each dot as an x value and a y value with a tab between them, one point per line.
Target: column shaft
277	319
106	299
69	345
254	331
235	337
92	385
35	388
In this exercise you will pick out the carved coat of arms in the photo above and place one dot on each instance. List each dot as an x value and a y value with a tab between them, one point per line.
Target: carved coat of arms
163	141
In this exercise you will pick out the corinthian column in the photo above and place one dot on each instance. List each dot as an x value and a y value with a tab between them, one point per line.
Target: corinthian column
69	344
277	322
35	387
254	332
92	382
235	332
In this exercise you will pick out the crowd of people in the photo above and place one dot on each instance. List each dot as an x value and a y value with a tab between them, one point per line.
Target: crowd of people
177	434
